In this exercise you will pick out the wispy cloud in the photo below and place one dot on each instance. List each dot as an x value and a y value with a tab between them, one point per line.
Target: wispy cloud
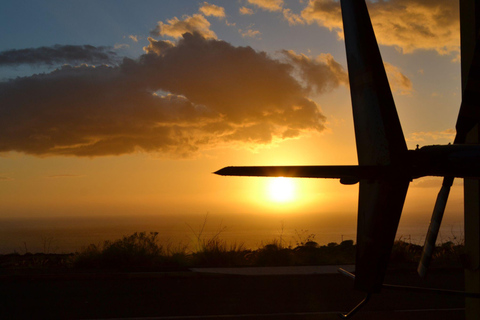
292	18
121	46
57	54
250	33
245	11
432	182
444	136
269	5
212	10
55	176
134	38
407	25
398	81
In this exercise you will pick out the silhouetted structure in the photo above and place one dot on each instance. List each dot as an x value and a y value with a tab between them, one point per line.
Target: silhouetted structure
386	166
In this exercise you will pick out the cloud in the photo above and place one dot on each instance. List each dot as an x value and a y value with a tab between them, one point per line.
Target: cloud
432	182
407	25
320	74
54	176
175	28
398	81
118	46
134	38
212	10
444	136
158	47
326	13
58	54
292	18
250	33
230	24
245	11
269	5
177	99
323	73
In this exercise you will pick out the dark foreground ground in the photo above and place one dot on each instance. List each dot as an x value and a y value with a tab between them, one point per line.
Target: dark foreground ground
189	295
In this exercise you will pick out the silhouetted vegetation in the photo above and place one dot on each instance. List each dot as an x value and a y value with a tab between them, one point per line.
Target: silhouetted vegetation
136	251
143	252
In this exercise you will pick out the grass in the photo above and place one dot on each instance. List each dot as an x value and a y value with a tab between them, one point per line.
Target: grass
141	251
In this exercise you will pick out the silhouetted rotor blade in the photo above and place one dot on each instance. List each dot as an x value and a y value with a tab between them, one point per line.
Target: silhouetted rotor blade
468	117
378	132
434	226
380	142
380	205
469	113
346	174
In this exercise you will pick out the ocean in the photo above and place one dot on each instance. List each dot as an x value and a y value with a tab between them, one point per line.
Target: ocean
66	235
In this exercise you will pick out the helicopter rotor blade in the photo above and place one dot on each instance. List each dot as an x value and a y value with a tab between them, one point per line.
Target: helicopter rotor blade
434	227
380	142
469	114
378	132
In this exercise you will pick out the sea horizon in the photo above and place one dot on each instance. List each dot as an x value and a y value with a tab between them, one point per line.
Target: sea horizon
70	235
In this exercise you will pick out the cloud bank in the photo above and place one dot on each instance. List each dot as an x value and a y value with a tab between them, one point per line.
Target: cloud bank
407	25
177	99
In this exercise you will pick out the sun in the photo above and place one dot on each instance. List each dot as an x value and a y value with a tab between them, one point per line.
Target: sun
281	189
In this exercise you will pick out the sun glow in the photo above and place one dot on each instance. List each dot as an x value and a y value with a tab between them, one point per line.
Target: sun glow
281	189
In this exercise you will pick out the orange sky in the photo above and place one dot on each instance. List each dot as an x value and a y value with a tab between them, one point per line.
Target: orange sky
136	123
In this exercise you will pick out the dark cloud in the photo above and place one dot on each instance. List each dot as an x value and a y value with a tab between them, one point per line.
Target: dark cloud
58	54
158	46
177	99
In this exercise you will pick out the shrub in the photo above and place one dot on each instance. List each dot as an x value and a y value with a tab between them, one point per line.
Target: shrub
404	252
274	254
136	251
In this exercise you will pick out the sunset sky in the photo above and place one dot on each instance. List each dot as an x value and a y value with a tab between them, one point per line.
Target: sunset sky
124	109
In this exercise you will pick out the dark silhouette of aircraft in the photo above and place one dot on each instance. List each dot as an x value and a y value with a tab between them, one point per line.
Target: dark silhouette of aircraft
385	165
